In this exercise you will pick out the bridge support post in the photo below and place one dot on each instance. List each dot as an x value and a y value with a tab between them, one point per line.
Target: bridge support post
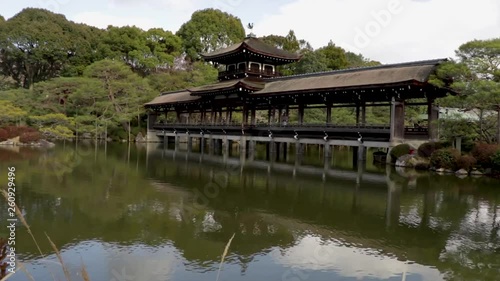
251	150
397	120
189	143
202	144
177	140
327	158
243	149
299	150
225	147
284	147
272	151
278	150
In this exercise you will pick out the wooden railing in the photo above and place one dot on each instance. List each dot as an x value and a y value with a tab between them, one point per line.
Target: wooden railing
237	72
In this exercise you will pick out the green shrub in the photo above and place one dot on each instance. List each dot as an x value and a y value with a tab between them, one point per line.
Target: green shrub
399	150
445	158
4	135
483	153
466	162
495	161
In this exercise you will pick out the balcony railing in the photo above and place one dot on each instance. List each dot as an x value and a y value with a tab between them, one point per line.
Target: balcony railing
241	72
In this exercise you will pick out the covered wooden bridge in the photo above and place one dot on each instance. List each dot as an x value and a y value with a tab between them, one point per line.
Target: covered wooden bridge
249	82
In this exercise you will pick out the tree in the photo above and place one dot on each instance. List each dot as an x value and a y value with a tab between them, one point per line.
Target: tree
116	94
476	76
2	19
144	51
197	74
312	61
36	45
335	56
209	30
358	60
9	112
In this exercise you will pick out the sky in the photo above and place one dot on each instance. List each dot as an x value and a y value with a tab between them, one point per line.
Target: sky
390	31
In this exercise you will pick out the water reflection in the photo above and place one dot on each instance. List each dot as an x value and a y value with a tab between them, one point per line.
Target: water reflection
151	214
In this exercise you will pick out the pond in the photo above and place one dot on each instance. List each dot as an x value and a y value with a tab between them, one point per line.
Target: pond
147	213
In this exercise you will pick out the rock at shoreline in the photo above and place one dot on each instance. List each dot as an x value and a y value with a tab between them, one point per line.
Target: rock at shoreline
13	141
461	172
45	143
140	138
412	161
476	173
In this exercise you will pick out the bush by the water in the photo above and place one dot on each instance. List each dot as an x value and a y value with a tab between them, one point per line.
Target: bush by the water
17	131
3	135
30	137
426	149
466	162
483	152
399	150
445	158
495	162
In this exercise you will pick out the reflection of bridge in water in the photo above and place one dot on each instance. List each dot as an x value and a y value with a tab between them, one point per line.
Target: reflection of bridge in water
370	212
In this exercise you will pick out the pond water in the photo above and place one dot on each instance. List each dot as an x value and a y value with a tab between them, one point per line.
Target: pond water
145	213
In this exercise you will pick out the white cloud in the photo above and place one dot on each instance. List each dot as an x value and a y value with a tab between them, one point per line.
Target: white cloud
418	29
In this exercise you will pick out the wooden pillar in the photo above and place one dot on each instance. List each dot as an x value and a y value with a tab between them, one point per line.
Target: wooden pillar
202	116
358	114
397	120
432	120
178	117
253	120
230	119
269	116
152	117
329	114
363	113
245	116
301	114
280	116
227	115
212	116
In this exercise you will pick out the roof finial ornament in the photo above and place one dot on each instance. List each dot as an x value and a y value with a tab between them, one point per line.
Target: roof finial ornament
250	27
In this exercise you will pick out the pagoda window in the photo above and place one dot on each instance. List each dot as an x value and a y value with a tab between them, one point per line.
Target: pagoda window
268	69
231	68
242	66
254	67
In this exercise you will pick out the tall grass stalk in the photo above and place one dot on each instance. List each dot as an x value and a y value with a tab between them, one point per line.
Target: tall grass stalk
59	257
224	255
23	221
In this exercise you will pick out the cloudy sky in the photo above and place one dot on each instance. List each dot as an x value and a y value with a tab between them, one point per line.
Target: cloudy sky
386	30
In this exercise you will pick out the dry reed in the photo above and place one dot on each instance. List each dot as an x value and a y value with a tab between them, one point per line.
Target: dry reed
59	257
23	221
224	255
